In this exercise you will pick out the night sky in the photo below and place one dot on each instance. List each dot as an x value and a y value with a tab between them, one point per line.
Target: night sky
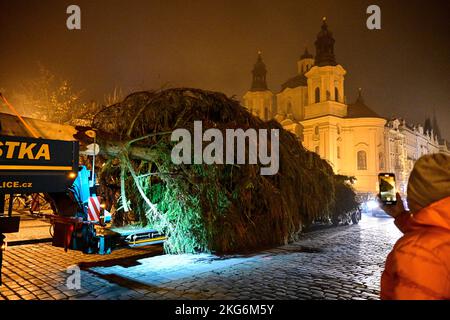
404	69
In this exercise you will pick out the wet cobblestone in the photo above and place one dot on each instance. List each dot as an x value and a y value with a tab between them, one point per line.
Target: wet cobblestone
336	263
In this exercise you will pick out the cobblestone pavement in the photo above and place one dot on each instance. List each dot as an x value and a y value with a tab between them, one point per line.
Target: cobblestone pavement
31	228
335	263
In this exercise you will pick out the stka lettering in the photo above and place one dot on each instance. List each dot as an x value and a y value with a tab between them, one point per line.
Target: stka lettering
24	150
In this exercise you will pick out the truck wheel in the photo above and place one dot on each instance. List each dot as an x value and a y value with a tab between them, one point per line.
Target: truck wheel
348	219
356	216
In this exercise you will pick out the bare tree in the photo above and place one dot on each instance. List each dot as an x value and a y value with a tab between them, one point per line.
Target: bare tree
54	99
49	98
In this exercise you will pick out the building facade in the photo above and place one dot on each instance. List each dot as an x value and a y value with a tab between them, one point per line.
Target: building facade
405	143
352	137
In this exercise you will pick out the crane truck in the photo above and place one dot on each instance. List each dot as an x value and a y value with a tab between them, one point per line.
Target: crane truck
36	165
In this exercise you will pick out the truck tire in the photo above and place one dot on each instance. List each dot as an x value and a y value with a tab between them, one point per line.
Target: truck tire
356	217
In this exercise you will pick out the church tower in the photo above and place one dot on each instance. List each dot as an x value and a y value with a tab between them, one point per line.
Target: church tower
325	109
325	79
259	99
306	62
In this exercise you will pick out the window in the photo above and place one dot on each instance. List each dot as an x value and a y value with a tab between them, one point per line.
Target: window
381	161
328	95
362	160
289	108
317	94
338	152
336	94
316	130
266	113
317	150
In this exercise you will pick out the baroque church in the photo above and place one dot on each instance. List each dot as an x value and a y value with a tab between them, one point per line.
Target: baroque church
354	139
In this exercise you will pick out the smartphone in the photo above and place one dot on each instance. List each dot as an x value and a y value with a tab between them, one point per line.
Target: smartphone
388	192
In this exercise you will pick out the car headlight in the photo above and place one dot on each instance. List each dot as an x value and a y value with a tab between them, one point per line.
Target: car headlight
372	204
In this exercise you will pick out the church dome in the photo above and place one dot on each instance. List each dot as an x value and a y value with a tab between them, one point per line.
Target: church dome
359	109
299	80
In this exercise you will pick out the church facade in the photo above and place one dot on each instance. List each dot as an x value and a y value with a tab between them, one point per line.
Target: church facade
354	139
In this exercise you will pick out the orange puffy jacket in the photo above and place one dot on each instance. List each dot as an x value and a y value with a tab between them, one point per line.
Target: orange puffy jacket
419	265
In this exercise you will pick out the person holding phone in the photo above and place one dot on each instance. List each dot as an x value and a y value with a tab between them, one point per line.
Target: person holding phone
418	266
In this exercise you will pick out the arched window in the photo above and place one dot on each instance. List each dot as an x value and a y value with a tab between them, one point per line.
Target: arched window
317	94
381	161
336	94
338	152
362	160
328	95
266	113
317	150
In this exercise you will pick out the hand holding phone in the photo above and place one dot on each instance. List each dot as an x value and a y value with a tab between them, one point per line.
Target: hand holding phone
393	210
388	192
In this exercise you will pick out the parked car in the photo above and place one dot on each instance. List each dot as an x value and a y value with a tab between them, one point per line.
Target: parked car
372	207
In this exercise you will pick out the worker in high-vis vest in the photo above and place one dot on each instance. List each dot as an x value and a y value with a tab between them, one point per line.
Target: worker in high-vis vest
418	267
